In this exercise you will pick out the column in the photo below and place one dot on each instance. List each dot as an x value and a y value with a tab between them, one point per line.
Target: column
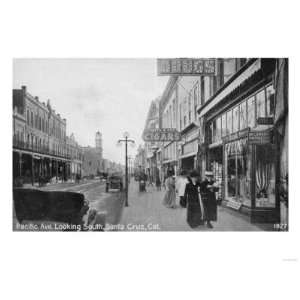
56	165
32	170
20	164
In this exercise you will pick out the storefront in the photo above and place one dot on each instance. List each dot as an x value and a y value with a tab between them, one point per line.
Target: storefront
249	174
240	142
189	148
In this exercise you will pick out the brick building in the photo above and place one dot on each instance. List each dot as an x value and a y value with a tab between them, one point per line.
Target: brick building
39	140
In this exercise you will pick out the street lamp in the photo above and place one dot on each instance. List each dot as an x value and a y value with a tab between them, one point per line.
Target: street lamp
126	140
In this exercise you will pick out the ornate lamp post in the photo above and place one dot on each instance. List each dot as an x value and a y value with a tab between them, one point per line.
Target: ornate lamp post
126	140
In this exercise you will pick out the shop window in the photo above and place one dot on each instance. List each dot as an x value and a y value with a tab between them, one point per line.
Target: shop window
261	104
224	132
229	122
270	101
251	112
206	88
237	172
243	115
236	119
264	176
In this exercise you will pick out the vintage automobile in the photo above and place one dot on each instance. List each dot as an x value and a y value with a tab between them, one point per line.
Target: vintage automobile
34	209
114	182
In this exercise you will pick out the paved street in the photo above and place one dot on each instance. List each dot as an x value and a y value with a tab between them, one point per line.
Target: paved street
146	209
94	192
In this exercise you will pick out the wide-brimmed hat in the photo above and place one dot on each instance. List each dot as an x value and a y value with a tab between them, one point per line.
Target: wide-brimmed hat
194	173
209	173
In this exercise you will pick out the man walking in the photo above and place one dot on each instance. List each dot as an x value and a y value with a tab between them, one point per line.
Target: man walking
181	183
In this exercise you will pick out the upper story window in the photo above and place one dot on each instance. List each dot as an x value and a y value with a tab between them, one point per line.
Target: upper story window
28	117
229	68
195	101
190	108
270	94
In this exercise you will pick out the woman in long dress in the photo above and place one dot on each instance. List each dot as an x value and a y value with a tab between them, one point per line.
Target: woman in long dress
194	211
170	195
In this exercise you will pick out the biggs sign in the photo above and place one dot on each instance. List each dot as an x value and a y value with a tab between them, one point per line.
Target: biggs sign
161	135
186	66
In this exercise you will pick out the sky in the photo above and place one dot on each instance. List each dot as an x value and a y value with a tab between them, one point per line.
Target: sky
110	95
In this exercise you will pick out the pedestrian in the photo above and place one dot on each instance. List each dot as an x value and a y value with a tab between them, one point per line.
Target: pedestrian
158	183
170	195
208	196
181	183
192	196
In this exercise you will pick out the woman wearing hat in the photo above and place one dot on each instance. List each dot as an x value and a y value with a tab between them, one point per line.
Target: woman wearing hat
170	195
194	212
208	197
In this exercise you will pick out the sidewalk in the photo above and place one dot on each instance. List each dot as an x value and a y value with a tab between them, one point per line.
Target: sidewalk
146	213
61	186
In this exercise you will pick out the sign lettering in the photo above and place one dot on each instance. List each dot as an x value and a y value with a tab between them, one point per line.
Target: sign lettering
186	66
161	135
265	121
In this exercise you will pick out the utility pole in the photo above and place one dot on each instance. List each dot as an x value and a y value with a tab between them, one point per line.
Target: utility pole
126	140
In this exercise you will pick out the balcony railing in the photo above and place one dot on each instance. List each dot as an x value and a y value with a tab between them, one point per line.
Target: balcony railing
43	149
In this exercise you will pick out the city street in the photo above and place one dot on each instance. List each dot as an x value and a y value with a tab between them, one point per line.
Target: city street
211	117
94	192
146	213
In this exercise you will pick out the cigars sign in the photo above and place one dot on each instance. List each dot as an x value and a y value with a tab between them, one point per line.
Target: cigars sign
186	66
161	135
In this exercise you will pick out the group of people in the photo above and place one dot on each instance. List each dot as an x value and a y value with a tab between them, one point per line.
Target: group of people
198	197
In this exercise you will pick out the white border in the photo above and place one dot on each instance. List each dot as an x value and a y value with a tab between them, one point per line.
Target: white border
148	265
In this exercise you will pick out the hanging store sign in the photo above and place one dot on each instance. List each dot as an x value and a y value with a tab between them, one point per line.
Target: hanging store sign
260	137
190	147
265	121
186	66
161	135
235	136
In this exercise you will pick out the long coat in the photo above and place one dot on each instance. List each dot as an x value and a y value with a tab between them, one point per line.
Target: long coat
208	198
170	195
194	214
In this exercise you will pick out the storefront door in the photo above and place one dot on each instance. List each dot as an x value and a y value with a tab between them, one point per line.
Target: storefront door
238	172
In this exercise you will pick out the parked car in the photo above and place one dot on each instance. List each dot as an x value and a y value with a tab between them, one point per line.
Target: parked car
114	181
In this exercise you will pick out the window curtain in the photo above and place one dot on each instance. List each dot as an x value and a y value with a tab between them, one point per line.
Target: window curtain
264	156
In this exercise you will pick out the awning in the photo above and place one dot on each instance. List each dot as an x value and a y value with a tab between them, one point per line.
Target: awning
188	155
232	86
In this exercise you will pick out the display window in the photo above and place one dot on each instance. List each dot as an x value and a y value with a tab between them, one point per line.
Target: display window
235	119
261	104
237	172
251	112
264	176
243	115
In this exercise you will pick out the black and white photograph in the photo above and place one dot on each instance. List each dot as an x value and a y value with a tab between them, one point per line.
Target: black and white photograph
149	150
162	144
